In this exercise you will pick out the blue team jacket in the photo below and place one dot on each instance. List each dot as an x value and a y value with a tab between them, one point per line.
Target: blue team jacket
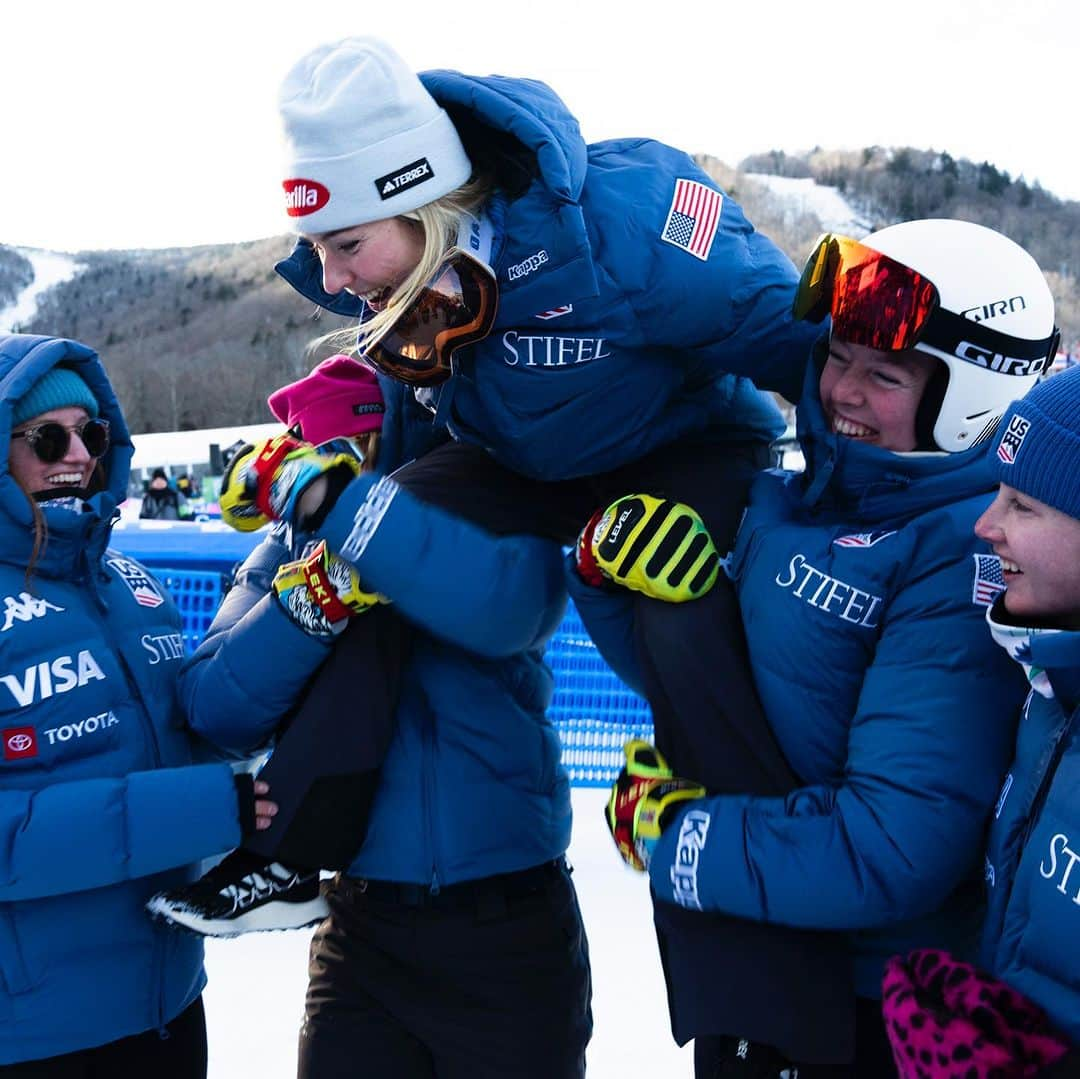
101	804
610	340
471	785
1032	933
860	593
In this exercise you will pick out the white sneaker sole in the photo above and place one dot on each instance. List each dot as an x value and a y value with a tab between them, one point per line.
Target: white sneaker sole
269	916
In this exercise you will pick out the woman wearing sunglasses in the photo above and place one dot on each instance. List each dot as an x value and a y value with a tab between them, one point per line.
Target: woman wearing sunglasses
101	803
863	590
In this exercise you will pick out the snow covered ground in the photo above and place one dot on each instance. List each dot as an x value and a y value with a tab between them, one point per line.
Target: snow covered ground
804	196
255	998
50	268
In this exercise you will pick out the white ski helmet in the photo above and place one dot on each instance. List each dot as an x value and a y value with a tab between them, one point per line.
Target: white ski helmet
994	284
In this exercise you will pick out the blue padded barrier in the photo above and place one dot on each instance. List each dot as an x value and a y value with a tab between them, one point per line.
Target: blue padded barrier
593	711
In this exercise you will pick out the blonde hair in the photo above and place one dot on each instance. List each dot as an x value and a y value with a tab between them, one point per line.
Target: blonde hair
439	221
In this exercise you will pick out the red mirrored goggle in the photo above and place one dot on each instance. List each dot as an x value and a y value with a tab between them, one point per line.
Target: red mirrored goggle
454	309
880	303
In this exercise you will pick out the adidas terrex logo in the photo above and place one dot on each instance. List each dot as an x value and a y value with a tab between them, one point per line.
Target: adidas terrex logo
393	183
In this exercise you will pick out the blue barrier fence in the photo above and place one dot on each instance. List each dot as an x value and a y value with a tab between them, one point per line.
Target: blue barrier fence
594	712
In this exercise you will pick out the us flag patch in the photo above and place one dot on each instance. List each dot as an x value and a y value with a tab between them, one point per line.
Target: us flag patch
989	580
1012	439
693	218
140	584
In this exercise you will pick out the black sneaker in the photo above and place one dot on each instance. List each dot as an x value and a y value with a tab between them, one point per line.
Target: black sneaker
243	894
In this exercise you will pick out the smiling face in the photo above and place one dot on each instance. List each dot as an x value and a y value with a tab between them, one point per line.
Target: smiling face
1039	548
370	260
74	469
872	396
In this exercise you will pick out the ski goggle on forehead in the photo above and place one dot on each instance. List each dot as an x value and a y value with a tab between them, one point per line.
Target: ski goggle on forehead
880	303
455	307
50	441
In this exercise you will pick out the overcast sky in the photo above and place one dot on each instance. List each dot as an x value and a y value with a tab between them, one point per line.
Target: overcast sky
146	125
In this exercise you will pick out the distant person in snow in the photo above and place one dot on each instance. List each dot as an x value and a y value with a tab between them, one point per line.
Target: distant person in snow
1031	940
102	802
576	316
862	590
162	502
453	944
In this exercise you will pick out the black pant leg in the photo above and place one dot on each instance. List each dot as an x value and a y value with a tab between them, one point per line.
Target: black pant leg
788	988
176	1052
324	770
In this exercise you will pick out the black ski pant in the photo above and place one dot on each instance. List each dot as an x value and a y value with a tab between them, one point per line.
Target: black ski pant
784	987
487	979
176	1051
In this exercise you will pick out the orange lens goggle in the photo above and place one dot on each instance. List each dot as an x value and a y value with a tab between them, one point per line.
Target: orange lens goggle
873	300
454	309
880	303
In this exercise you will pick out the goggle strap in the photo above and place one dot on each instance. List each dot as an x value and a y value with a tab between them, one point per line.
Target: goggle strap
946	331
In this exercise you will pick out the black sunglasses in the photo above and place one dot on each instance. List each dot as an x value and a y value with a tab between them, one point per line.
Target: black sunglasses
50	441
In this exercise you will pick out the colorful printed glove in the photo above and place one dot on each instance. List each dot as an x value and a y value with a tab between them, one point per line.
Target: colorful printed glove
264	483
322	592
640	799
947	1018
651	545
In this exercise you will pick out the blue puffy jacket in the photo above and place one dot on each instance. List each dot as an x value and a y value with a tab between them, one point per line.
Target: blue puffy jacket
609	340
1032	934
101	804
858	583
471	785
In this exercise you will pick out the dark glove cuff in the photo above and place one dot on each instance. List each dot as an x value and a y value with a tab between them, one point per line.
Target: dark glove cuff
337	479
245	801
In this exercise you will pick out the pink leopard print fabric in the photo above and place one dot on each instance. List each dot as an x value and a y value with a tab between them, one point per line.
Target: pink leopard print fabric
948	1020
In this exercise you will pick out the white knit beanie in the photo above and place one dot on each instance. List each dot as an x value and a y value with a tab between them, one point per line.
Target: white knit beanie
364	140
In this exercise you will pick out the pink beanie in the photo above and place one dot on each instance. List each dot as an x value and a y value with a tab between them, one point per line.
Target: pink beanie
339	399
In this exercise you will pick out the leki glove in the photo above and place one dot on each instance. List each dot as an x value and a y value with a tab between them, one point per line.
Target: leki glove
265	482
321	592
641	798
651	545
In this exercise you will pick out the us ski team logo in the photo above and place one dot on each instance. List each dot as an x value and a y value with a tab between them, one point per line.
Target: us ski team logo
1012	439
139	582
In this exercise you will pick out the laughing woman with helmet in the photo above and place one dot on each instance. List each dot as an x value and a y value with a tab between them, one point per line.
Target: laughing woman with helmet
101	803
863	591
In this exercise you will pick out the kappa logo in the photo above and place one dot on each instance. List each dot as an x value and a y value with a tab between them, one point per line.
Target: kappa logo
19	743
527	266
693	832
408	176
59	675
23	608
1012	438
304	197
141	585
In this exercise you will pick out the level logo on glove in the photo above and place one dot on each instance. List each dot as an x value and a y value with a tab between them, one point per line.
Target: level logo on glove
641	801
651	545
322	591
265	482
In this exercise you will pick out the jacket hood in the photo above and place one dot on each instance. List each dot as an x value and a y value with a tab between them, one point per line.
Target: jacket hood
875	484
24	358
537	119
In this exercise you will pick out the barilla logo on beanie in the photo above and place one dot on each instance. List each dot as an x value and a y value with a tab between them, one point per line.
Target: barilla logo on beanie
304	197
1012	438
408	176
